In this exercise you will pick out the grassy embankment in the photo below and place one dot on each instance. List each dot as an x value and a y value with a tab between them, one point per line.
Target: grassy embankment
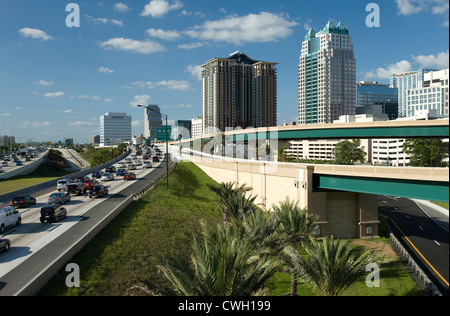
130	247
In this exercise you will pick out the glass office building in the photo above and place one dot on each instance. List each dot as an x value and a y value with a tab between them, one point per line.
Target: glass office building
153	121
115	128
375	98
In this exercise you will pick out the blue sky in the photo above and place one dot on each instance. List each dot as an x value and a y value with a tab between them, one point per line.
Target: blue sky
56	81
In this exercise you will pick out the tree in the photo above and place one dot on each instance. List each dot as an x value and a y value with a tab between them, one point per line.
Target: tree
426	152
331	265
295	225
349	152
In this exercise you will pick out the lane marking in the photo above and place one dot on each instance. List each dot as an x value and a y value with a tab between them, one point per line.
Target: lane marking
417	250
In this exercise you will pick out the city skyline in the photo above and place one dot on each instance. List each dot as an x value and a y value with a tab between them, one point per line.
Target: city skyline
57	81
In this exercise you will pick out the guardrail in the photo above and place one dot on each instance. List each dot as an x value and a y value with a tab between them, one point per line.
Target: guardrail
423	277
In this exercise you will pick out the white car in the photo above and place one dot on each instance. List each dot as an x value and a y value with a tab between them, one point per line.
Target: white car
61	185
146	165
122	164
131	166
107	176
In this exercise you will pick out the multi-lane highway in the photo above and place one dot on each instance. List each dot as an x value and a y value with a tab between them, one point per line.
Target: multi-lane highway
424	232
35	245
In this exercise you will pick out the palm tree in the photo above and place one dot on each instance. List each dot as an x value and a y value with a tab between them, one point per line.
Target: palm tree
222	263
233	201
331	266
295	225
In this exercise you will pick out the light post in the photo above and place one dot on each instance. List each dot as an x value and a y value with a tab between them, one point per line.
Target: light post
167	139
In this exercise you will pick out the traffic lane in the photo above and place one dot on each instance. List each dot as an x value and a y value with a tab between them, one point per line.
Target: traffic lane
441	217
14	281
420	234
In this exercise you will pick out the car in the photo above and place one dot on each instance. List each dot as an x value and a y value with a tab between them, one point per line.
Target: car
52	213
19	163
80	179
137	162
111	169
107	176
145	157
122	164
1	169
77	188
98	191
127	160
7	158
4	164
121	172
5	244
58	198
9	216
22	201
89	183
61	185
147	165
97	174
129	176
131	166
27	158
155	159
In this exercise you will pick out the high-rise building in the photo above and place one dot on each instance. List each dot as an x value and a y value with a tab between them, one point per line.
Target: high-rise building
431	94
238	92
115	128
196	128
404	82
327	75
153	121
375	98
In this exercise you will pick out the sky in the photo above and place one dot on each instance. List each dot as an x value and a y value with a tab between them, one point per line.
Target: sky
57	78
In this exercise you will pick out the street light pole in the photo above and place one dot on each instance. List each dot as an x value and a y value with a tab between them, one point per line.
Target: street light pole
167	139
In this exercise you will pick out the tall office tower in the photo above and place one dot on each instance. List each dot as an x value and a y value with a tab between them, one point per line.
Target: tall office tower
326	76
375	98
404	82
432	94
153	121
115	128
238	92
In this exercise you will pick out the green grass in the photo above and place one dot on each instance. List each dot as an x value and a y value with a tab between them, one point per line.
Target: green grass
443	204
42	174
129	249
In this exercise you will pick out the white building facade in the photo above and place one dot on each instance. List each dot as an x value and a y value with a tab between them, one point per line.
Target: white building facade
115	128
196	128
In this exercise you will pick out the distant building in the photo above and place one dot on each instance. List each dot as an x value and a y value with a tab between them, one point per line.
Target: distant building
153	121
68	142
431	94
94	140
7	140
326	75
375	98
196	128
238	92
115	128
404	82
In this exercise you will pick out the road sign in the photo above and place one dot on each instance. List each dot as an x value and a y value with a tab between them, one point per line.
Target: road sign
163	133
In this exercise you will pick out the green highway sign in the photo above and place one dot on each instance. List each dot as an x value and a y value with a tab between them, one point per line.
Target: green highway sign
163	133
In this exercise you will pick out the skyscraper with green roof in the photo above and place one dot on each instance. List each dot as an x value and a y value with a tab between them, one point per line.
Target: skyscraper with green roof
327	75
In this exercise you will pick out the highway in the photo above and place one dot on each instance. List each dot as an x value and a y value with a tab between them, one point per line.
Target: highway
34	245
424	233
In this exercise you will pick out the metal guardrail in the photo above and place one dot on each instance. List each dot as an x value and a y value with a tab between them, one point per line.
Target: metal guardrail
423	277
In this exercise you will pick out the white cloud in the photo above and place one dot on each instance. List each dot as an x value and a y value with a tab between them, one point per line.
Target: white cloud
140	100
440	61
46	83
35	34
126	44
109	100
166	35
5	114
180	85
262	27
104	20
191	46
105	70
409	7
385	73
195	71
81	123
121	7
159	8
54	94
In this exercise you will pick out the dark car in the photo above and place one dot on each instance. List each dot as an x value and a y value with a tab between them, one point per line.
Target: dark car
5	244
97	174
129	176
19	163
155	159
52	213
111	169
59	198
121	172
76	188
22	201
80	179
98	191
